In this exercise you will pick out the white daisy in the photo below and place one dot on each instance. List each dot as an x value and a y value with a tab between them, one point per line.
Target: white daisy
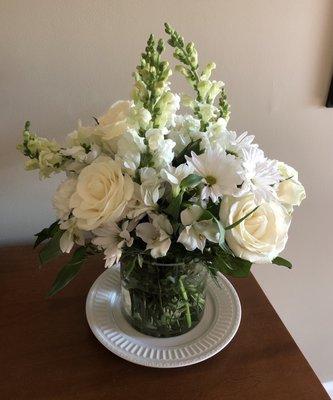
221	173
259	175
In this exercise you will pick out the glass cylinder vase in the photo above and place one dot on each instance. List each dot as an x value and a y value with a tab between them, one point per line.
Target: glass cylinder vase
163	299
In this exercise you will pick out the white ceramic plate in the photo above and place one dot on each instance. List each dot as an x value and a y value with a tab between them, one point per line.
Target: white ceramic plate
218	326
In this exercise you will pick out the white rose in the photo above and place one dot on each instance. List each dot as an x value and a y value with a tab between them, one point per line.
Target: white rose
62	196
114	122
290	191
262	235
102	193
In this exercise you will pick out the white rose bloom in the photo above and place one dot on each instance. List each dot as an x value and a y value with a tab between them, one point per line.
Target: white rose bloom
262	235
111	238
221	173
290	191
62	196
114	122
71	235
156	235
196	232
102	193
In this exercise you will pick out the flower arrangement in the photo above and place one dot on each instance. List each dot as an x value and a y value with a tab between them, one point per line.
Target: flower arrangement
146	181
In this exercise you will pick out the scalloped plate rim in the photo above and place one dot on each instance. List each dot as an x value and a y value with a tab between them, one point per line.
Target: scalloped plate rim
148	362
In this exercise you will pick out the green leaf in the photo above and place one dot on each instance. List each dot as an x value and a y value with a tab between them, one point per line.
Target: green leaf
69	271
240	220
283	262
190	181
46	233
52	249
193	146
173	208
231	265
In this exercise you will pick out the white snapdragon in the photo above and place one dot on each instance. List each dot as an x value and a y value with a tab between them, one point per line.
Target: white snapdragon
185	131
112	238
151	186
156	234
196	232
130	146
167	105
160	148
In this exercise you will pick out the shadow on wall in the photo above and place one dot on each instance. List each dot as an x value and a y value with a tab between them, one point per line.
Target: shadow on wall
323	65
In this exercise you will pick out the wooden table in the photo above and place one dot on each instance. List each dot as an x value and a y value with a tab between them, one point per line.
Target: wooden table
48	352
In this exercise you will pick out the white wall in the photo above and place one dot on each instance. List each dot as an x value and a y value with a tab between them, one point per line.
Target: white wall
64	60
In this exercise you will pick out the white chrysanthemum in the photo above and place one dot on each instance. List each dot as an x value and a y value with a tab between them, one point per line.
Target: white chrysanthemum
221	173
62	196
111	238
195	232
259	175
156	234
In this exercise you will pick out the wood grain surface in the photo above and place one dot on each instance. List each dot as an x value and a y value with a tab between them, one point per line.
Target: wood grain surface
48	351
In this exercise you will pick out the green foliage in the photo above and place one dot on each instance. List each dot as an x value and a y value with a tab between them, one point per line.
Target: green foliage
175	205
190	181
69	271
228	264
47	233
52	249
283	262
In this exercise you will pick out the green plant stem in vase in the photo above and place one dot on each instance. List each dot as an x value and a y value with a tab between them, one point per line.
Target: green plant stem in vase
163	299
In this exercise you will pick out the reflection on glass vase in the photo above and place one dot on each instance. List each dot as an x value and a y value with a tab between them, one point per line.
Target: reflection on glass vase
163	300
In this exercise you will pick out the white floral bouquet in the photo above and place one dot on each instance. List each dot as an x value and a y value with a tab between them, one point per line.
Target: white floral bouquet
161	176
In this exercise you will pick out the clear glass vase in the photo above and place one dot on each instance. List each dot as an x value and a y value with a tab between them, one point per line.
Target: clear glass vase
163	300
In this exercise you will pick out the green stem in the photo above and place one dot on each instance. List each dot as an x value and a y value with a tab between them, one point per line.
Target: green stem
187	306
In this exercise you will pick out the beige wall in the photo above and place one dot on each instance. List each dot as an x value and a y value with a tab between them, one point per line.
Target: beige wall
64	60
